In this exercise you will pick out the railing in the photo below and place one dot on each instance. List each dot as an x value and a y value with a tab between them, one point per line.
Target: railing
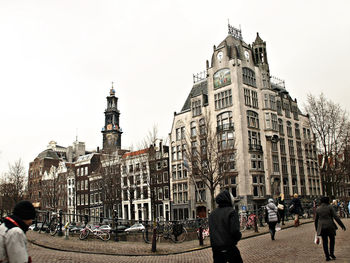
255	147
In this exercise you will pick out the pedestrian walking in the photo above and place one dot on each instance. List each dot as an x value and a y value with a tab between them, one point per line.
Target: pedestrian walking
13	241
281	205
296	209
271	217
326	228
224	230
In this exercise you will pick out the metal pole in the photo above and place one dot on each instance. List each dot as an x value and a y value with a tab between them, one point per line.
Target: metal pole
200	234
116	239
60	233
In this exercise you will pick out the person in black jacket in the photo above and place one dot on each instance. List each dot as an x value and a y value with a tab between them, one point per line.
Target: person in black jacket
281	205
326	228
296	209
224	230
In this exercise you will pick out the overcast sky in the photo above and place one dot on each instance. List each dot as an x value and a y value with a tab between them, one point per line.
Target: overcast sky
59	57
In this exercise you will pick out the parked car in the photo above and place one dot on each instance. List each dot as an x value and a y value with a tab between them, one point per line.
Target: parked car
135	228
121	228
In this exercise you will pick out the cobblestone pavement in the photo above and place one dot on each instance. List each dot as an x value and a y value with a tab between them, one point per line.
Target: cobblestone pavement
291	245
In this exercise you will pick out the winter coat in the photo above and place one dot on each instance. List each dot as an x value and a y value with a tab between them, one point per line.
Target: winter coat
324	220
281	202
297	209
224	223
13	241
272	211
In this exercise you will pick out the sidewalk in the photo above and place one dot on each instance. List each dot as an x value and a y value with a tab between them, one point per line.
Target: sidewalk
123	248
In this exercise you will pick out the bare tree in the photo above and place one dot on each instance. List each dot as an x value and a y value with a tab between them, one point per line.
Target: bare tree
110	180
50	184
330	124
12	186
209	155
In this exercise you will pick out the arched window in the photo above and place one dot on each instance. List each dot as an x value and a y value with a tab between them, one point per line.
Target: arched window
289	129
224	121
252	119
249	77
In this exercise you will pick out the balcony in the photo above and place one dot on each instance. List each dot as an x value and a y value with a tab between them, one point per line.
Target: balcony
225	127
255	147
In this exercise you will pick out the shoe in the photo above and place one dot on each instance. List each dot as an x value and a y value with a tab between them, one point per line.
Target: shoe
334	257
328	259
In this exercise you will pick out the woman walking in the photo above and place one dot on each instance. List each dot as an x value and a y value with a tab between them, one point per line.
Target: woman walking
271	217
296	209
326	228
281	205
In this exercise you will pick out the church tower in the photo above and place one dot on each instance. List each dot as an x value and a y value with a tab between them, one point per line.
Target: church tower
259	50
111	131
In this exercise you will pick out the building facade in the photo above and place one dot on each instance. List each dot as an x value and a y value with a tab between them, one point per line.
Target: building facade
251	114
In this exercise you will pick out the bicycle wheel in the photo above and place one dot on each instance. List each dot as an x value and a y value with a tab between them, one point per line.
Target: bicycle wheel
179	238
84	234
105	236
243	224
53	228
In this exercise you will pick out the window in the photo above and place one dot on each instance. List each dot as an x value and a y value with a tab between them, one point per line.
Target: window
252	119
200	193
279	107
297	131
291	147
202	129
286	107
256	162
247	99
266	101
224	121
293	167
145	192
258	185
285	186
86	170
226	140
289	129
295	185
276	164
299	150
178	134
173	153
280	127
295	112
274	122
179	152
301	167
274	147
254	140
255	99
284	165
165	177
230	184
223	99
267	119
182	132
196	108
179	171
166	192
272	102
193	129
249	77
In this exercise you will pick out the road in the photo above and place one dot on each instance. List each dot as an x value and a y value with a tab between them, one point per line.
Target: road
291	245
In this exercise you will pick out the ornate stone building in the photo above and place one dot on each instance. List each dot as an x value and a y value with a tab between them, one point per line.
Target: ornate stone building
251	113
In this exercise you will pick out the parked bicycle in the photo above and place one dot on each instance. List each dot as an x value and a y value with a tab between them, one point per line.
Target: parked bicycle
96	231
174	231
247	221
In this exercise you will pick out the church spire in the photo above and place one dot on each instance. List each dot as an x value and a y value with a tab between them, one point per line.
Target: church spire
112	90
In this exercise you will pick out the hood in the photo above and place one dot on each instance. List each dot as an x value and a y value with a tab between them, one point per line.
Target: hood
224	199
271	205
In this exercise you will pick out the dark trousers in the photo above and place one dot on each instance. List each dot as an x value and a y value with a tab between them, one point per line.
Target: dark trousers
272	228
281	215
325	244
231	255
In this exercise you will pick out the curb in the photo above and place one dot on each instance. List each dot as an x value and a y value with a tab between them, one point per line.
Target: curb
147	255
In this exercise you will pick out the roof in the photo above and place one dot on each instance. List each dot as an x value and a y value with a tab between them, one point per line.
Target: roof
197	89
85	157
48	154
136	153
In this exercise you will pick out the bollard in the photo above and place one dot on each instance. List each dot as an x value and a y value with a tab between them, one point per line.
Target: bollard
60	233
66	227
256	225
36	222
116	239
154	237
200	232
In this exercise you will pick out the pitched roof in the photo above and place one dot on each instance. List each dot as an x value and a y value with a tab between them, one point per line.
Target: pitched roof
197	89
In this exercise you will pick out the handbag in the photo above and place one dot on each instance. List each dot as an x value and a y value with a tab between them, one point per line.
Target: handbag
278	227
317	239
280	206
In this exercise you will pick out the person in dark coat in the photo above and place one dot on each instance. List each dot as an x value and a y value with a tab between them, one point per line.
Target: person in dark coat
224	230
325	226
281	205
296	209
